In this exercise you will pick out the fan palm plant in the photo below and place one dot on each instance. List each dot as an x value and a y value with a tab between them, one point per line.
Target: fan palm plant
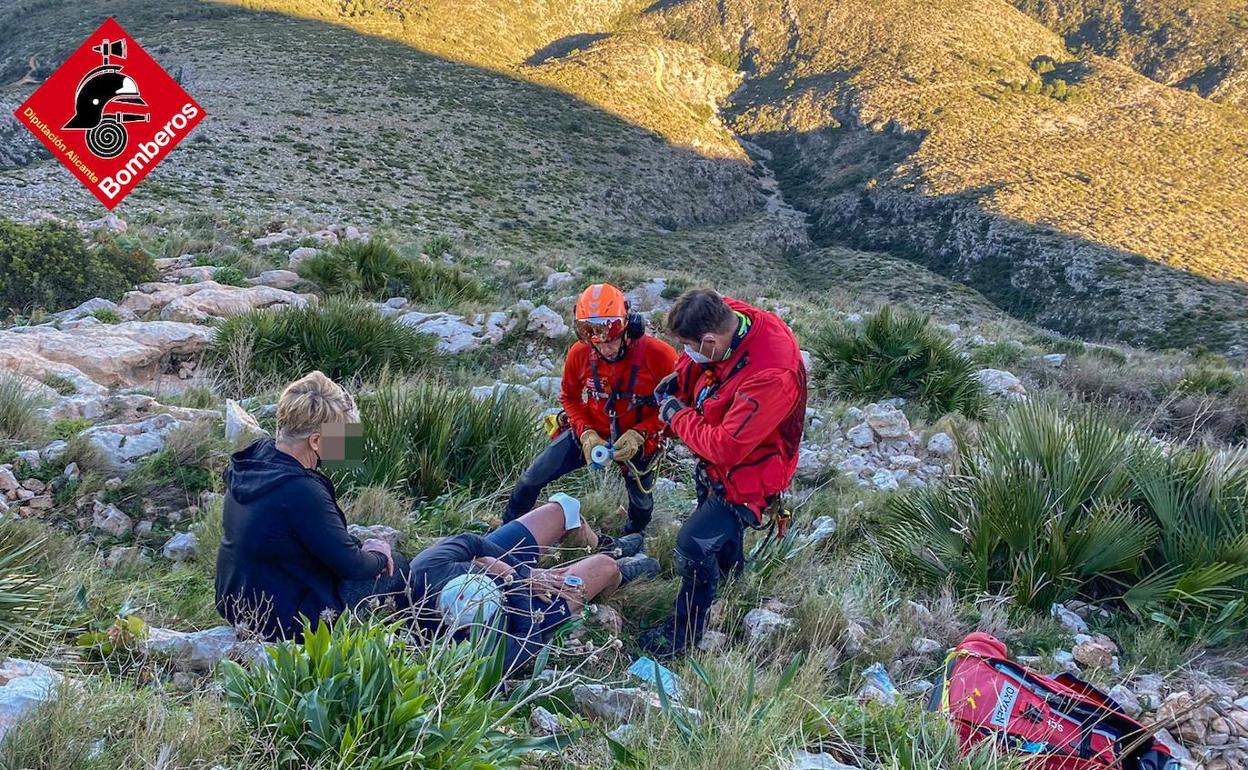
898	354
25	595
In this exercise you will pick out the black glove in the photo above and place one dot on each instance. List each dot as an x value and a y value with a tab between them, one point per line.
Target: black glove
666	387
668	408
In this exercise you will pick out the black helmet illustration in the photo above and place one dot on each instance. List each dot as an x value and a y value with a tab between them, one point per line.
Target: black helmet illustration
103	86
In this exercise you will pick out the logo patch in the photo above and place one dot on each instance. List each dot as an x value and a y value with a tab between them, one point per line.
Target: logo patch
1005	705
110	113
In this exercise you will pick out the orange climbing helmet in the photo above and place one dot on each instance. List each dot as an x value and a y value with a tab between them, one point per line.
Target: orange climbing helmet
601	314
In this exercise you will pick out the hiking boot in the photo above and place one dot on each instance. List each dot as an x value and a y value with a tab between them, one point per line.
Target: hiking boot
637	568
630	545
658	643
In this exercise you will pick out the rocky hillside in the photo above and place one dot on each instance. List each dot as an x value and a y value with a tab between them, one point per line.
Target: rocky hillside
1194	46
970	141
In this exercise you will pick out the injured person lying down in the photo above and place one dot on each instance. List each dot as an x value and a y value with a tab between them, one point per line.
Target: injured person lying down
494	580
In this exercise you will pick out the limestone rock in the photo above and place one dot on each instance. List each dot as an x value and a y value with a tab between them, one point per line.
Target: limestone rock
92	306
277	279
454	334
620	705
1124	696
557	279
648	296
194	651
272	239
95	358
925	646
940	444
240	426
123	555
1055	359
122	444
861	435
761	625
24	686
887	421
8	481
547	322
501	389
542	722
1001	384
1095	652
300	255
885	481
713	641
183	546
1069	619
110	520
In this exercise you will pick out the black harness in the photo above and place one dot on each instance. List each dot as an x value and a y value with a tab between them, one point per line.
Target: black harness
617	395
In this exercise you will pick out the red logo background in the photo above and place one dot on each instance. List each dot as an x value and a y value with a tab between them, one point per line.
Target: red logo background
172	114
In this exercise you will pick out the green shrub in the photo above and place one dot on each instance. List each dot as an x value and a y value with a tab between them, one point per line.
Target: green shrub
357	696
1210	380
191	462
1001	354
437	245
375	270
18	418
230	275
68	427
898	354
106	315
49	265
60	384
423	439
26	596
1054	506
343	339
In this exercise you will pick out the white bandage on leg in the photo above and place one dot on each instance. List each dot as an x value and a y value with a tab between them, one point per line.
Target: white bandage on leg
571	510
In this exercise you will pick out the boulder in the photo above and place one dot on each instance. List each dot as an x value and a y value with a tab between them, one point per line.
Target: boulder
761	625
888	421
821	529
111	520
559	278
122	444
454	334
497	324
300	255
1095	652
95	358
8	481
1124	696
885	481
1055	359
925	646
861	435
123	555
225	302
183	546
24	686
276	279
547	322
1001	384
196	650
1069	619
192	274
648	296
713	641
620	705
272	239
240	426
542	722
93	305
940	444
853	465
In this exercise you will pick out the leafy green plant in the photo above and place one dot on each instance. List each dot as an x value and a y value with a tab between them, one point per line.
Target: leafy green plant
49	265
437	245
1210	379
423	439
1054	505
356	696
341	338
375	270
898	354
230	275
106	315
60	384
19	420
68	427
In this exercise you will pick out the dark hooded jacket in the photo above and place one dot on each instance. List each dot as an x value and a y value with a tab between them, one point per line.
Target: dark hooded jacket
285	552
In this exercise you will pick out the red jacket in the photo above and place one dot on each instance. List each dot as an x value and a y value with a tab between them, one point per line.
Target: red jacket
585	398
747	432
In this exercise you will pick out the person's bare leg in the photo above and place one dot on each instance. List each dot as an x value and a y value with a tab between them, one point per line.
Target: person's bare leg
546	523
601	575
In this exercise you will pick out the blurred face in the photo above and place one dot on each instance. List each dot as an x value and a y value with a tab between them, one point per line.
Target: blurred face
339	444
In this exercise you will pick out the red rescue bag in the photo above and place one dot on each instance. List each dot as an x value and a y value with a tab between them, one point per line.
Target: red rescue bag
1064	722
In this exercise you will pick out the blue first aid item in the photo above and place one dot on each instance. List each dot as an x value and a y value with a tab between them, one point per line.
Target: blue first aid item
601	455
644	669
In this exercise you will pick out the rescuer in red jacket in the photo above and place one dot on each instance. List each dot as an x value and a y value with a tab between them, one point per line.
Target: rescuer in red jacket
738	400
609	377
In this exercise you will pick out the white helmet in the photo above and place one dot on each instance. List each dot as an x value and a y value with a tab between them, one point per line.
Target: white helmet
469	598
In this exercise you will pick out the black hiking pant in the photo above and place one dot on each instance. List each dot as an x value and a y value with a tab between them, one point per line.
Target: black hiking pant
561	457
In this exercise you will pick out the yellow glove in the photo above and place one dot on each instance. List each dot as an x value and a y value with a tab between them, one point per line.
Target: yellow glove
589	440
628	445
